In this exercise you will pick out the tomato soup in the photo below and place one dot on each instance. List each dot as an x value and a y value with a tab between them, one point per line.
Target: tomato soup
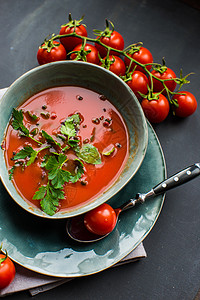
66	145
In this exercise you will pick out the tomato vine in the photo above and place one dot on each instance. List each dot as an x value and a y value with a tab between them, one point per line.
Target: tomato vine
159	75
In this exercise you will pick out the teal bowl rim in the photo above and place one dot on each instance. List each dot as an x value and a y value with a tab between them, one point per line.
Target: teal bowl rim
91	205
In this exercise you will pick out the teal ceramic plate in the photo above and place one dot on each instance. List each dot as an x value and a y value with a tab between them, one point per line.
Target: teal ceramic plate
42	245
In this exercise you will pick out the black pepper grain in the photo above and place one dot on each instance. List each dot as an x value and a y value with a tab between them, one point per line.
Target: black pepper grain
78	97
102	97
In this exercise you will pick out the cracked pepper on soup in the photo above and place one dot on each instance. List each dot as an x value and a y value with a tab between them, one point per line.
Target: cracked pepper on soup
64	147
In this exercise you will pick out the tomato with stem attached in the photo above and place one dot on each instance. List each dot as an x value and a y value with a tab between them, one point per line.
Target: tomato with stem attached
138	83
51	51
87	53
7	270
186	104
113	63
141	55
110	38
100	220
156	110
70	42
166	74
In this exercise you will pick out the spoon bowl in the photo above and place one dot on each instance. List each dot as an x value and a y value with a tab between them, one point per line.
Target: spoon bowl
78	232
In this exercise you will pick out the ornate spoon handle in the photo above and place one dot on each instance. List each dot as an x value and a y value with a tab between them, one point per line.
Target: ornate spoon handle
173	181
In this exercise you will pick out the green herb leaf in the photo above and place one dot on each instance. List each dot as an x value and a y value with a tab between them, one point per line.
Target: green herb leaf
44	162
65	148
71	125
17	122
32	116
79	170
89	154
40	193
73	143
49	138
76	119
56	174
34	132
32	158
60	177
49	197
61	137
107	153
27	151
11	172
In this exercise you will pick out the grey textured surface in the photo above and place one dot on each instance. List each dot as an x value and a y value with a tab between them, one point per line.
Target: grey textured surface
167	28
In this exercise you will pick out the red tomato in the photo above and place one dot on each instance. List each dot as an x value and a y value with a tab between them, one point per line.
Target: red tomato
138	83
70	42
115	64
156	110
143	56
187	104
101	220
170	84
7	271
115	41
91	57
56	53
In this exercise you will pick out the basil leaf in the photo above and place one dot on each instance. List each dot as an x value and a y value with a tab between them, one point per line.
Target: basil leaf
89	154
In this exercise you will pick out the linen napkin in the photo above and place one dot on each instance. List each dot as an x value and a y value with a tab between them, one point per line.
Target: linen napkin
36	283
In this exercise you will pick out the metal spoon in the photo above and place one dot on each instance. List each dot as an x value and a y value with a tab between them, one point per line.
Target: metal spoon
78	232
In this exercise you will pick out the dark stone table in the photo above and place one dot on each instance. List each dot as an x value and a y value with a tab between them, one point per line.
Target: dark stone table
169	29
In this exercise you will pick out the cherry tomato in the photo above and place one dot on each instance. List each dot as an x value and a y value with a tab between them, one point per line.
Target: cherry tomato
115	41
115	64
156	110
7	271
91	57
100	220
56	53
70	42
143	56
187	104
170	84
138	83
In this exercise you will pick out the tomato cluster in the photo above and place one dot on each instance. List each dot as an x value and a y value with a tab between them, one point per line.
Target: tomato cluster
153	84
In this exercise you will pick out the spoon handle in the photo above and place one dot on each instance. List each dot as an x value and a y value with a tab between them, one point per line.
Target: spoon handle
177	179
173	181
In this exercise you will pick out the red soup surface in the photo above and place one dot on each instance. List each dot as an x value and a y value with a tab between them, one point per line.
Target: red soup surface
87	153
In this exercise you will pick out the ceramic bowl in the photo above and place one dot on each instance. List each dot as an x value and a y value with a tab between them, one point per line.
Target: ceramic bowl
89	76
